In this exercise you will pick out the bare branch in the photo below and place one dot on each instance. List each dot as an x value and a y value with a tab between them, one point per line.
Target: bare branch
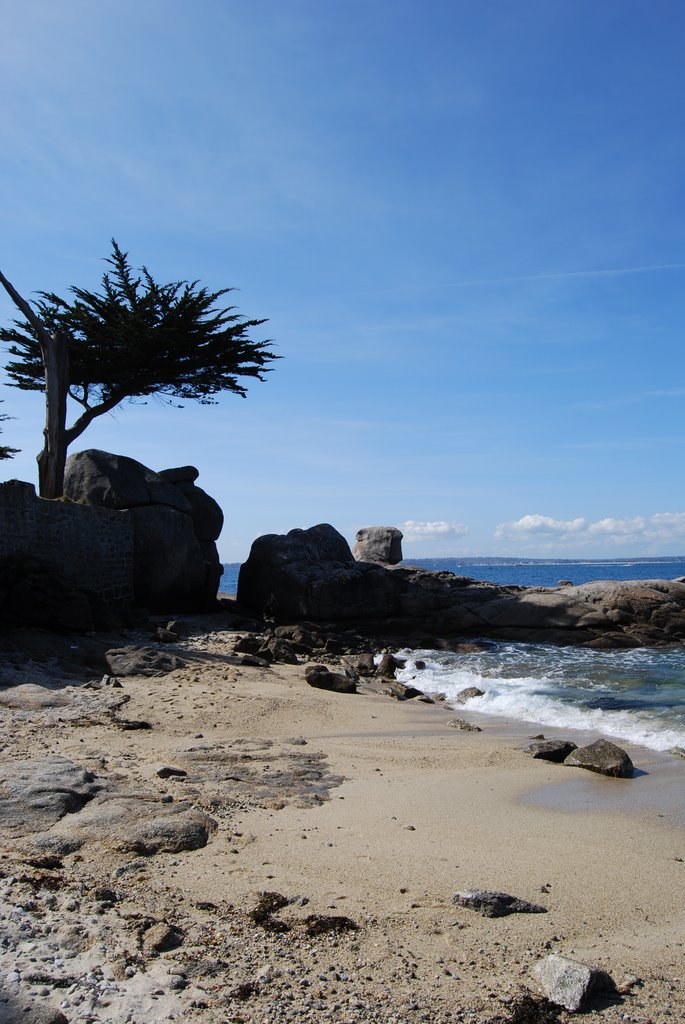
23	305
92	411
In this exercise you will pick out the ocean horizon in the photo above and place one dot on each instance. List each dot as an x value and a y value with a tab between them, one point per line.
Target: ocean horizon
529	572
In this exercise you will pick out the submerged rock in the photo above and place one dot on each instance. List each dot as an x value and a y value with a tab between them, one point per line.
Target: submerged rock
468	694
400	691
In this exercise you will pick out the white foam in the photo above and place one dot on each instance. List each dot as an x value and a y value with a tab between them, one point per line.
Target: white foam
538	700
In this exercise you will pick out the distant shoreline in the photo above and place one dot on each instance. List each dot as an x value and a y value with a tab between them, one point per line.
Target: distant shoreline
511	560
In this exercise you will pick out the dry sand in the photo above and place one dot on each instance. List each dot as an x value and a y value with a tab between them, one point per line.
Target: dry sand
349	805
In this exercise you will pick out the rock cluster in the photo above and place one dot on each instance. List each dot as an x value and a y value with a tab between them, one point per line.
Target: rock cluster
175	523
602	756
312	574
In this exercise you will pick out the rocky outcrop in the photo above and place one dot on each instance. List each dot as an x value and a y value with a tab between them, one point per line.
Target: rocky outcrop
175	525
379	544
312	574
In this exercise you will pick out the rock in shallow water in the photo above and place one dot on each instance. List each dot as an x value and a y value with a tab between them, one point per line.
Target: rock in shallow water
468	694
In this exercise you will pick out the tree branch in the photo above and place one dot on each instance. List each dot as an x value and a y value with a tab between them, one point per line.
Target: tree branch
23	305
92	411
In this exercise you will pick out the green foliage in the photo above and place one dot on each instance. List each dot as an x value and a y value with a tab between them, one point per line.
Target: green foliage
136	337
5	452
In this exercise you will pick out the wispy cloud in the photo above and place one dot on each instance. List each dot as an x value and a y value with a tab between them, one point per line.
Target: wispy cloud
632	399
557	275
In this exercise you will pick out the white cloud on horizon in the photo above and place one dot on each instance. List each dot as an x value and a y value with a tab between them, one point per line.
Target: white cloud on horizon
416	530
655	530
537	525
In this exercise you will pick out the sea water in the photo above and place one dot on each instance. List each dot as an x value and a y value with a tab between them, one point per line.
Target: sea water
636	695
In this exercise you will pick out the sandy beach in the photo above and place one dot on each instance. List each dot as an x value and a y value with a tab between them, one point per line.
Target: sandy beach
353	807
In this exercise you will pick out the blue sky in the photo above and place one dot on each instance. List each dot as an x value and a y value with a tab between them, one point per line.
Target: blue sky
464	221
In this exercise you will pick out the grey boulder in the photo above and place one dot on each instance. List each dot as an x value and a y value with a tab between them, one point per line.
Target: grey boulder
171	571
569	983
180	474
602	757
141	661
208	519
175	525
551	750
495	904
468	694
37	793
379	544
117	481
169	833
320	677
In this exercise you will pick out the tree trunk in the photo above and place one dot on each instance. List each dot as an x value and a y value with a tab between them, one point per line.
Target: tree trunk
55	353
52	459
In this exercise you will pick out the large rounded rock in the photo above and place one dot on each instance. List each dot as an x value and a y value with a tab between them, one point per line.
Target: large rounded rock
603	757
170	572
176	563
323	679
311	574
571	984
208	519
181	474
116	481
379	544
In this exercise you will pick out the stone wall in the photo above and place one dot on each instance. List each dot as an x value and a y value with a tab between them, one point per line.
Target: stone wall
93	547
